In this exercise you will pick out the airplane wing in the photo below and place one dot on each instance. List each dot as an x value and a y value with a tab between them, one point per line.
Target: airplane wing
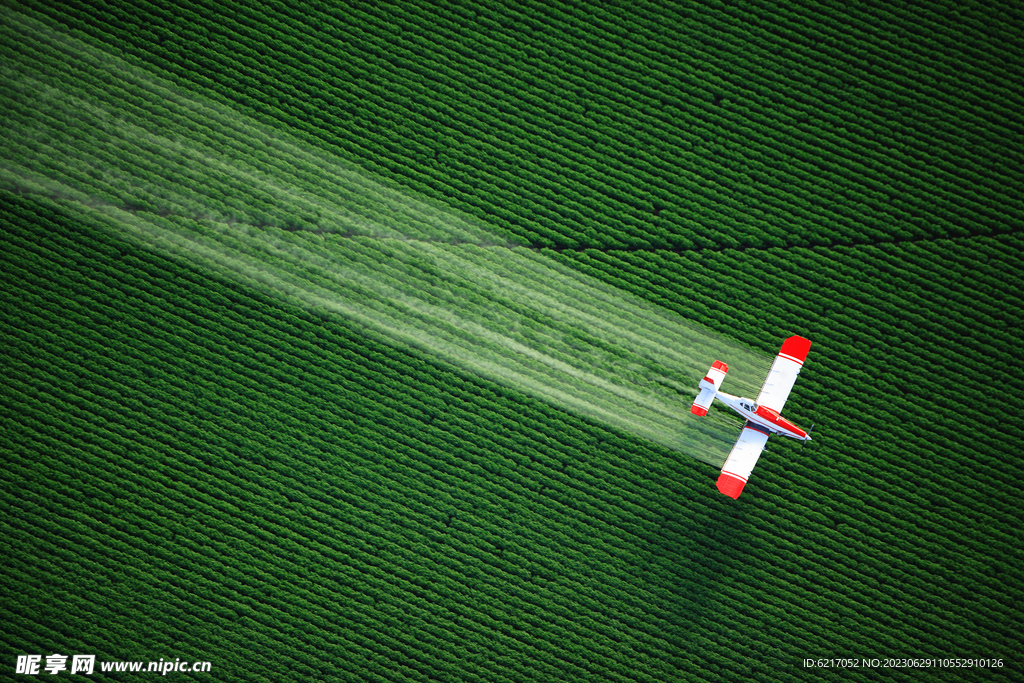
741	461
782	376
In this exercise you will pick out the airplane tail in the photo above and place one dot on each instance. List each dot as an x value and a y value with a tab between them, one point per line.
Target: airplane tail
708	388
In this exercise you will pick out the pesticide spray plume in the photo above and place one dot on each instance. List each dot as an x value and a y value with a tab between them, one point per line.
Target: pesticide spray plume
414	272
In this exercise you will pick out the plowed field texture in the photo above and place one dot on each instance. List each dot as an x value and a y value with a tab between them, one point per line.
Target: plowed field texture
357	341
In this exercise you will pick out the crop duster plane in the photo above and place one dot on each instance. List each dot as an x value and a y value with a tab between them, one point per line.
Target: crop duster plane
762	415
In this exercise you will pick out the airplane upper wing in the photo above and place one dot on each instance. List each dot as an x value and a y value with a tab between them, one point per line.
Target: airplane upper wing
782	376
741	461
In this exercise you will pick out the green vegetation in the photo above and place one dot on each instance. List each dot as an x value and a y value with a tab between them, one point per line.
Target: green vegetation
210	454
415	272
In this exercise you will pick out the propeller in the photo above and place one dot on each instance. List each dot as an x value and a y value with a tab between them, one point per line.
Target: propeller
808	437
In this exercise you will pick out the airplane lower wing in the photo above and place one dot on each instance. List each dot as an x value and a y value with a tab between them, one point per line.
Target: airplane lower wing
742	458
782	376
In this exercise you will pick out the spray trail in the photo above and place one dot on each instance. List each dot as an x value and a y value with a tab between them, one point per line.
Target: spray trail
195	180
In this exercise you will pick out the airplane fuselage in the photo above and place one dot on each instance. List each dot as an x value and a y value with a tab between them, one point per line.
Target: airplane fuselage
762	416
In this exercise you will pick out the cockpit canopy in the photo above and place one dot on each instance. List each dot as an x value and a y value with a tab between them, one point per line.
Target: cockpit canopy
748	404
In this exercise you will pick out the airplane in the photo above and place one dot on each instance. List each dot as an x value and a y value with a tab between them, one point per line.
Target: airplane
762	415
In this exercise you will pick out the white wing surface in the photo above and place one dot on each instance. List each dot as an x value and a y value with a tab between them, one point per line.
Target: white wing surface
782	376
741	460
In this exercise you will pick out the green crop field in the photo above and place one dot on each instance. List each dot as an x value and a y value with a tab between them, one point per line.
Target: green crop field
357	342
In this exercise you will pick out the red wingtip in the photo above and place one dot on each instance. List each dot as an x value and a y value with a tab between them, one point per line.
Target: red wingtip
730	485
796	347
698	411
719	365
